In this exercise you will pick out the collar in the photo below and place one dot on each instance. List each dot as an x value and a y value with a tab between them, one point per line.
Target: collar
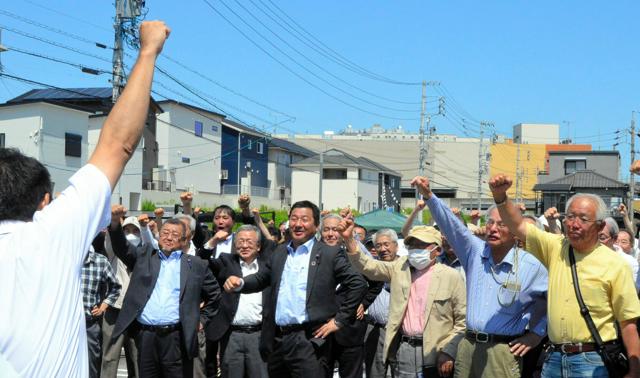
91	257
175	255
228	239
308	246
8	226
508	259
253	264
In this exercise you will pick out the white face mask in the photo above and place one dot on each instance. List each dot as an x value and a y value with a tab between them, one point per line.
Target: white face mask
133	239
420	258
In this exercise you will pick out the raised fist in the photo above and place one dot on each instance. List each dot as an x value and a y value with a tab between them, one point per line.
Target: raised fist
243	201
324	212
197	211
475	214
255	212
186	198
499	184
423	186
622	209
635	167
232	284
117	213
143	219
551	214
153	34
455	211
480	232
346	213
221	235
420	204
345	228
158	212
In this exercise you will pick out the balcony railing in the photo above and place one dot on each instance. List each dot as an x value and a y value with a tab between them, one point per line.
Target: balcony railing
163	186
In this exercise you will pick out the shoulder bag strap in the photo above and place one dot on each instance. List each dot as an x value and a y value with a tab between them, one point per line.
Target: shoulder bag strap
584	311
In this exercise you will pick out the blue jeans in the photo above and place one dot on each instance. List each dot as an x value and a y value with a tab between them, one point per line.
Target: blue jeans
589	364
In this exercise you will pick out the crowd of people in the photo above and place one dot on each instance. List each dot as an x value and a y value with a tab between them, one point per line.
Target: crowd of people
508	296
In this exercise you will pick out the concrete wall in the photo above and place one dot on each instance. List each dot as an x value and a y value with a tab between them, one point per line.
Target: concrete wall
607	165
305	185
38	130
177	141
537	133
368	191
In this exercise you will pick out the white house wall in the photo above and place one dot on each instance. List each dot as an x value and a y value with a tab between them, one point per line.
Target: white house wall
202	173
368	191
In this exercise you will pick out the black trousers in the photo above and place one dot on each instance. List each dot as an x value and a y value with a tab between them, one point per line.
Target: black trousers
94	342
211	360
299	355
350	360
162	355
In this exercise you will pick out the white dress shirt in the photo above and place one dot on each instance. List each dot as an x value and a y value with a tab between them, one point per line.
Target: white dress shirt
42	323
224	246
250	305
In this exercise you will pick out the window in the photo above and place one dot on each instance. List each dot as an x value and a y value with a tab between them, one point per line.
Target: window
197	129
249	145
572	166
214	128
334	174
260	148
186	160
1	140
72	145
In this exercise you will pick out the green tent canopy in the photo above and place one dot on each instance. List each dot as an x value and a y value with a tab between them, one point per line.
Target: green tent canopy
377	219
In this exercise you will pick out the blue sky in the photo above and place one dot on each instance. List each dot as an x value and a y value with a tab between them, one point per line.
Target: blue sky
501	61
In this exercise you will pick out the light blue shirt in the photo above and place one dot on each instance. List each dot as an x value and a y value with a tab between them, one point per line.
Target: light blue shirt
291	307
491	308
379	309
163	307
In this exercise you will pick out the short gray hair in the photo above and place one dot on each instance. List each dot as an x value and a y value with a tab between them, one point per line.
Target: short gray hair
391	234
612	225
601	208
250	227
192	221
330	216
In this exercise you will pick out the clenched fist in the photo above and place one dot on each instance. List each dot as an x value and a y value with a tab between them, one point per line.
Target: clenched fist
143	219
423	186
232	284
420	204
243	201
117	213
186	198
635	167
551	214
153	34
158	212
499	184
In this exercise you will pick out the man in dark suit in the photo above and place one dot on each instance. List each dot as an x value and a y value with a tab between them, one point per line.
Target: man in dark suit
238	324
348	347
162	306
302	312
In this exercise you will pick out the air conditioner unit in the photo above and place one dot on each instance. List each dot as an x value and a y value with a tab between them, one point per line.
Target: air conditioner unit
224	174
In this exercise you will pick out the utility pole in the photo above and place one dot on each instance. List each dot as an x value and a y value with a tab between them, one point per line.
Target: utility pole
320	180
423	112
481	160
632	183
126	12
518	175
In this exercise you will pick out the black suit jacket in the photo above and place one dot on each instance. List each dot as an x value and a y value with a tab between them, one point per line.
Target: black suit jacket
328	267
224	266
353	331
197	284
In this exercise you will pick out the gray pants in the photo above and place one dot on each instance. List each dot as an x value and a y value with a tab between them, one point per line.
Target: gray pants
375	367
94	339
241	356
111	348
409	362
198	362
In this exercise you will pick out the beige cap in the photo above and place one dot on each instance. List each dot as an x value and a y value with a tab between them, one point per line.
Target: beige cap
426	234
131	220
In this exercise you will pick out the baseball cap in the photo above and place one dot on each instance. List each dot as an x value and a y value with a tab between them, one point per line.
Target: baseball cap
131	220
425	234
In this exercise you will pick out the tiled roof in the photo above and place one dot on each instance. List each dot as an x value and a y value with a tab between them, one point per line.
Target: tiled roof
581	180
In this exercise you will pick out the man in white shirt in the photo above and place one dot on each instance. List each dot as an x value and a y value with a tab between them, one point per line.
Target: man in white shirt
42	326
238	324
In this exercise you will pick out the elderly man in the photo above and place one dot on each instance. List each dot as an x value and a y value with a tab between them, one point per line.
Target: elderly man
348	347
506	290
426	312
386	242
238	324
609	236
603	277
162	305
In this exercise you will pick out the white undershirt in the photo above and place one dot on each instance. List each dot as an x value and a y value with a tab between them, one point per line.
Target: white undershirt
250	305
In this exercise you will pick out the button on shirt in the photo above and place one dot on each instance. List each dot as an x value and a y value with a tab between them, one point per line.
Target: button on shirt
413	321
250	305
520	305
37	284
98	283
605	284
291	306
163	307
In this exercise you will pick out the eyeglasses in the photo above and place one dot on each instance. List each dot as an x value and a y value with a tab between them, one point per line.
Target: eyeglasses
603	237
498	224
167	233
580	219
247	242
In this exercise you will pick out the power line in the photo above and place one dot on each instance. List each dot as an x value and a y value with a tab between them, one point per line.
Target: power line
296	73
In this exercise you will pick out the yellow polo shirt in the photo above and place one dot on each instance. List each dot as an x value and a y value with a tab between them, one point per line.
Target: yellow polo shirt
606	284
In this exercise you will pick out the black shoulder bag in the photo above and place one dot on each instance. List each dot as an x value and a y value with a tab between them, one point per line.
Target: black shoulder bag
614	355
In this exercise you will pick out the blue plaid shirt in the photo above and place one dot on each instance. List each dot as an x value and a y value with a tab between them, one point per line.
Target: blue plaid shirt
98	283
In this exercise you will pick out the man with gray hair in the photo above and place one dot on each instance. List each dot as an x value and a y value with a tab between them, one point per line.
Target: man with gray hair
609	236
605	282
238	324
